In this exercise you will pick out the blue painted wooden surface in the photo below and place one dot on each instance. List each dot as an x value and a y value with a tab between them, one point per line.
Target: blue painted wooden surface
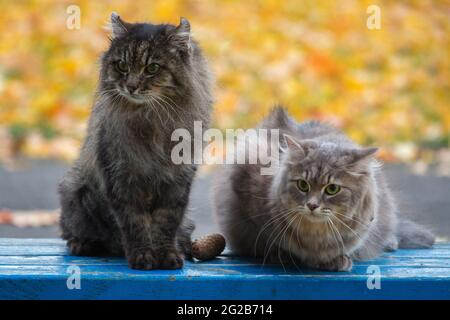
37	269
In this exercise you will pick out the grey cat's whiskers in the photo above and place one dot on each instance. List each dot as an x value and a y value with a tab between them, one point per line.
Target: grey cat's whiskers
349	228
341	239
336	232
282	239
299	243
366	226
272	220
246	220
358	235
294	218
279	229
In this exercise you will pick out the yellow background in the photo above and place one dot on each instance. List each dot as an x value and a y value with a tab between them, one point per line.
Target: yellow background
387	87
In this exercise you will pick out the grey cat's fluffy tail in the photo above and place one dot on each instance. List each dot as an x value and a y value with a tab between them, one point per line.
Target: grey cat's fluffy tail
412	236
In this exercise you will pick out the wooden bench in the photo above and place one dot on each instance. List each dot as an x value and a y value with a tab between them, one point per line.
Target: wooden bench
42	269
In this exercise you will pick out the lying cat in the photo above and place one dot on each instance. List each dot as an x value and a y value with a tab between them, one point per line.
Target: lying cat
327	204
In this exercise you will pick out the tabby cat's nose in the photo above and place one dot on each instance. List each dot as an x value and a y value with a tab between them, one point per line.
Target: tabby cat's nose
132	88
312	206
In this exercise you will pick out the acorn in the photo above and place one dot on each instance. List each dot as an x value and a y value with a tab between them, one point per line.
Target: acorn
208	247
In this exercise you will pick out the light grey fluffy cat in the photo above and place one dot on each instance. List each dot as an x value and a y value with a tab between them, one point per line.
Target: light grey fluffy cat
327	204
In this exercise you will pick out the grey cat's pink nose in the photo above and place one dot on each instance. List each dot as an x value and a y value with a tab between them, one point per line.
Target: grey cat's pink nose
312	206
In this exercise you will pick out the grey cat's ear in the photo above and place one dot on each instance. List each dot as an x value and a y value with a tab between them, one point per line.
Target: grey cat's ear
354	161
180	37
357	155
118	26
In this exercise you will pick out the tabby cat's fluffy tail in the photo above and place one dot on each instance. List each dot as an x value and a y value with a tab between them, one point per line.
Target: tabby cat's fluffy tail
412	236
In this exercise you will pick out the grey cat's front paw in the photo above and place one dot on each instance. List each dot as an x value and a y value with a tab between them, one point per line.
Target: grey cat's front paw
141	260
341	263
391	245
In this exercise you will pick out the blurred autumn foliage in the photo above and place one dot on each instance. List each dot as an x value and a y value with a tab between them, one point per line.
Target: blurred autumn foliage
388	87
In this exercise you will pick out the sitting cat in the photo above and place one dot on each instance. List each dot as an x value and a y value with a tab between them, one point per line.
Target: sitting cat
327	203
124	194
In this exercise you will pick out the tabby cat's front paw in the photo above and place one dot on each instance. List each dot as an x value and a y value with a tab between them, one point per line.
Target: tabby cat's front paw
76	247
141	260
80	247
169	259
341	263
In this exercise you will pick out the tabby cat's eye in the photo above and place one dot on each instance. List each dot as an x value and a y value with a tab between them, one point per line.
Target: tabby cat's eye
303	185
332	189
152	68
122	66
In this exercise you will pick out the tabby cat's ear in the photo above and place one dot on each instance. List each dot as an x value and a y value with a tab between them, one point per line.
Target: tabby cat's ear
299	147
278	118
290	143
180	37
118	26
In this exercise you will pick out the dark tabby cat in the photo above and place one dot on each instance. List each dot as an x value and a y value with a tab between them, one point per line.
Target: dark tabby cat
123	194
328	202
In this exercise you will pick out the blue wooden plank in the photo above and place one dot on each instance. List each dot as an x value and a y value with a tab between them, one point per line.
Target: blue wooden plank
219	262
61	250
210	270
44	250
30	242
222	288
37	269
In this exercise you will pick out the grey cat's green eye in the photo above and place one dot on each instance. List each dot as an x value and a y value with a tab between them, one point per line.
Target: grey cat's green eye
332	189
152	68
303	185
122	66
